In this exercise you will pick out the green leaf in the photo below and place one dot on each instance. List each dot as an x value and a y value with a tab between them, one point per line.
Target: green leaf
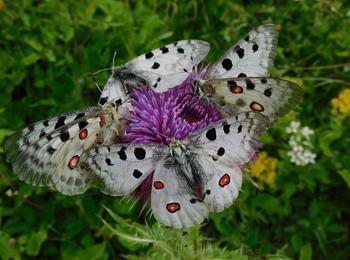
345	174
30	59
35	241
306	252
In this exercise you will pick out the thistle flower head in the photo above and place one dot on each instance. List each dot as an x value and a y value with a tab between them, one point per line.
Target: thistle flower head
161	117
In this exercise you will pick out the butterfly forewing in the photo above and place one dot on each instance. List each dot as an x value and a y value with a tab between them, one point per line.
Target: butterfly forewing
251	56
113	92
232	141
121	167
270	97
161	69
174	202
48	152
169	65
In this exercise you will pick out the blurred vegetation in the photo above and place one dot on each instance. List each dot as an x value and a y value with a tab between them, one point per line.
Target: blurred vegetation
48	49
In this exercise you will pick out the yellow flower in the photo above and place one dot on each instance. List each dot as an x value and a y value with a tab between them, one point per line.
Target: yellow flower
2	5
341	104
264	169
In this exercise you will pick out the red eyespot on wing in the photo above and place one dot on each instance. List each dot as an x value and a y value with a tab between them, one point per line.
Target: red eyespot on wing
73	162
224	180
158	185
102	121
173	207
236	89
83	134
256	107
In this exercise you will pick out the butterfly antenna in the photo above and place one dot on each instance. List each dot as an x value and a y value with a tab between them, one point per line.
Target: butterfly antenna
97	72
96	84
114	56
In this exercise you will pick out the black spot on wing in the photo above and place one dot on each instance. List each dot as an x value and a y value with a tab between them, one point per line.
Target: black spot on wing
155	65
227	64
164	49
51	150
180	50
82	125
46	122
211	134
64	136
79	116
103	100
149	55
122	154
250	84
227	129
242	75
109	162
60	122
239	51
268	92
255	47
221	151
137	174
140	153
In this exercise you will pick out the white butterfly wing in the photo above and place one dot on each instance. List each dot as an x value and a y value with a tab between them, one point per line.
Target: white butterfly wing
113	92
251	56
174	203
122	168
169	65
220	183
233	141
270	97
47	153
219	153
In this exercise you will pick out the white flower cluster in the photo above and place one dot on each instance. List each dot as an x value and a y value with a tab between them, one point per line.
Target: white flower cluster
10	193
300	144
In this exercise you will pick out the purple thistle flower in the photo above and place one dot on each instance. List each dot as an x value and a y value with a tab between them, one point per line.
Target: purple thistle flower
161	117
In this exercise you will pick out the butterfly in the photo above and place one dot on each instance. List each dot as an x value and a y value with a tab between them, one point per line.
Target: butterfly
239	81
192	177
160	69
47	153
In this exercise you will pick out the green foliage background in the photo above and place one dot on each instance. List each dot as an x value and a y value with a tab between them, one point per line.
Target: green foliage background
47	50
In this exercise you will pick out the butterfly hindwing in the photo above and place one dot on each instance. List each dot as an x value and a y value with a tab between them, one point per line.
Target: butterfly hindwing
219	153
251	56
174	202
122	168
220	184
169	65
270	97
47	153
